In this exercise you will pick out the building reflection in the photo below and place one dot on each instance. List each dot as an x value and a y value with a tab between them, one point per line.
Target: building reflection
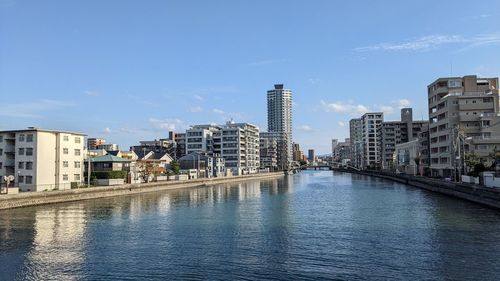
58	248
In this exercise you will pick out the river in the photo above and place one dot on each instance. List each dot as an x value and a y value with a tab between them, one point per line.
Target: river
310	226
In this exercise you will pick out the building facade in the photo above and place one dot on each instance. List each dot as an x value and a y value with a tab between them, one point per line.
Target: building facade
356	139
92	143
457	108
279	116
395	132
370	123
42	159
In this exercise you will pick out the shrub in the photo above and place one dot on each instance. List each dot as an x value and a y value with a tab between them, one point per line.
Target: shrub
109	175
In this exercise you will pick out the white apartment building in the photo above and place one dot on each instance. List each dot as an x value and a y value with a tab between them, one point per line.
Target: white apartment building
42	159
239	145
199	138
356	139
370	124
279	116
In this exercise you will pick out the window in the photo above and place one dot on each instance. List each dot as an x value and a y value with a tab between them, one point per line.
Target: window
65	164
20	179
1	152
65	177
77	140
65	138
1	165
77	152
77	177
65	151
29	165
21	137
29	137
20	151
29	151
1	138
28	179
20	165
77	164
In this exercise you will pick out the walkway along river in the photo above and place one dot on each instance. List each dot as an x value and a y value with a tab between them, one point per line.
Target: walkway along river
308	226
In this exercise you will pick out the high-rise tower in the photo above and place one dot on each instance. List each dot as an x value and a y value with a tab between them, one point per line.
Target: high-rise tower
279	116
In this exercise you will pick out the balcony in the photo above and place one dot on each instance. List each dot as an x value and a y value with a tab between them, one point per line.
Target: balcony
476	106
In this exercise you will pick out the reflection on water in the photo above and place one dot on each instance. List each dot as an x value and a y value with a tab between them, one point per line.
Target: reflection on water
308	226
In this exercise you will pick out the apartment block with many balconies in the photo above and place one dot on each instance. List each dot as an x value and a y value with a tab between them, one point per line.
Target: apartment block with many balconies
370	124
42	159
459	110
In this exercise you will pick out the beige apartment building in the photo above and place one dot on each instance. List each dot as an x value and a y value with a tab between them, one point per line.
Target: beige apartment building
462	114
42	159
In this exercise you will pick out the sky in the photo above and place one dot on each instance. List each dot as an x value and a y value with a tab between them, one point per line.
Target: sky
134	70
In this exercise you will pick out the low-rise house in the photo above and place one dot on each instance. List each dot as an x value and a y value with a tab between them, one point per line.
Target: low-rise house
206	165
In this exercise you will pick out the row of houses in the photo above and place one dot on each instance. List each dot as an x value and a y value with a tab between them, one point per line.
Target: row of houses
464	119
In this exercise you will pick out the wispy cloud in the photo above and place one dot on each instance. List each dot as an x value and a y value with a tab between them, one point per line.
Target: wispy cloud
32	109
313	81
426	43
305	128
91	93
106	131
218	111
196	109
341	124
198	98
346	108
170	124
356	109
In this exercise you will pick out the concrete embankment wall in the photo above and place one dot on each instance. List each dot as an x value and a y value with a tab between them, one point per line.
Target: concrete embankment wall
478	194
50	197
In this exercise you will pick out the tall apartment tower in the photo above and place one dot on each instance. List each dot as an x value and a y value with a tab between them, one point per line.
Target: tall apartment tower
356	140
370	123
461	108
279	116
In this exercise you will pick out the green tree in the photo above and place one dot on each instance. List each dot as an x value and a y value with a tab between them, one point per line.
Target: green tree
471	160
175	167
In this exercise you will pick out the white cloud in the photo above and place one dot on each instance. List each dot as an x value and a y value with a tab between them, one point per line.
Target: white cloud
196	109
402	103
32	109
346	108
430	42
341	124
106	131
91	93
387	109
198	97
167	124
305	128
218	111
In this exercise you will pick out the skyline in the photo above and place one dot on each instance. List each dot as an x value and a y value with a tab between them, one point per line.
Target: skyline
127	71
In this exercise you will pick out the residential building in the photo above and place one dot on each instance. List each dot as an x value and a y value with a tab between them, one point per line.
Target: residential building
335	142
279	117
391	133
158	147
92	143
205	165
199	138
342	153
406	157
356	139
268	153
281	148
108	146
179	141
371	155
107	163
298	155
459	108
42	159
239	145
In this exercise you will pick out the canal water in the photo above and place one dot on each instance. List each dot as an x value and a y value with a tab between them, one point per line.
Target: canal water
310	226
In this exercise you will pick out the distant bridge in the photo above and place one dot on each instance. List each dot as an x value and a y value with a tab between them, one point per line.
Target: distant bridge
316	167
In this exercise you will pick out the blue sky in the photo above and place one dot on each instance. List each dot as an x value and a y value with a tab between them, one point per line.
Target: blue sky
133	70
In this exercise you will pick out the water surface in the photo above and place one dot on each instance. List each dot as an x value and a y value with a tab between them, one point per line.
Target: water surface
310	226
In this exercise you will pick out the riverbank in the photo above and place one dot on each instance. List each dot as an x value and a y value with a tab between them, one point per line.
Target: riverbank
51	197
474	193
